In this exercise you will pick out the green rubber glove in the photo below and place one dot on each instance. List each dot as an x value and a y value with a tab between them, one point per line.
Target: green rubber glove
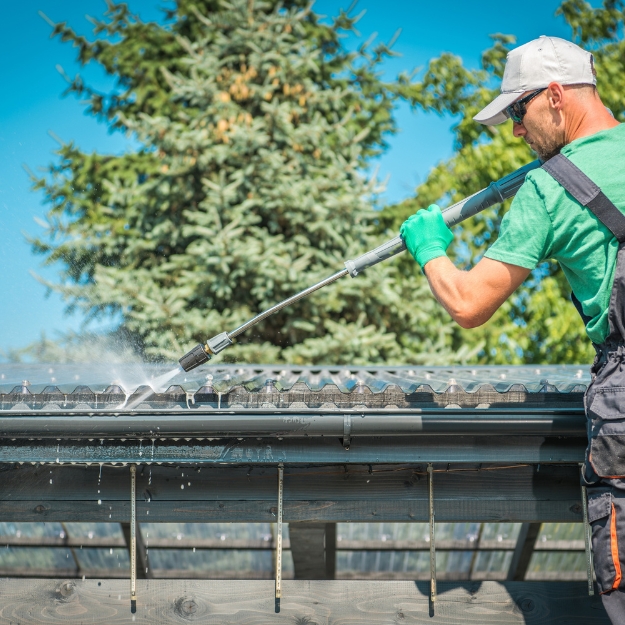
426	234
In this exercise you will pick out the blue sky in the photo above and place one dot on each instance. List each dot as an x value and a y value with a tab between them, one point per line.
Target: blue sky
32	105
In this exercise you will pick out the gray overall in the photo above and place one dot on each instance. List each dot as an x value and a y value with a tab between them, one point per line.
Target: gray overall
604	466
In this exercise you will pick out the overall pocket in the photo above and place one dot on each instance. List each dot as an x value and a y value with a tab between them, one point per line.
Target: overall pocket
607	448
602	516
607	403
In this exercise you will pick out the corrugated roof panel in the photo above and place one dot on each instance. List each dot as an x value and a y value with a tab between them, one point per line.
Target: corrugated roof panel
98	386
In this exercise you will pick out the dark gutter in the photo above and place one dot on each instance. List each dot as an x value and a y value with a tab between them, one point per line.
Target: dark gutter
458	422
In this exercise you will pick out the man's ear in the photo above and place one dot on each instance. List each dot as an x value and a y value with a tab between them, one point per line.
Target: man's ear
555	95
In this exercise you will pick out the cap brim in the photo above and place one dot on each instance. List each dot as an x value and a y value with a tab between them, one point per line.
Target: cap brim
494	114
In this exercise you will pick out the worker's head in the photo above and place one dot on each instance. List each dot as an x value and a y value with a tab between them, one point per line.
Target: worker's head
548	86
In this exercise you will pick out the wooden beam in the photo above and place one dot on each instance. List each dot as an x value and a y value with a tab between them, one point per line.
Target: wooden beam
308	550
330	550
523	551
324	494
143	567
313	547
74	602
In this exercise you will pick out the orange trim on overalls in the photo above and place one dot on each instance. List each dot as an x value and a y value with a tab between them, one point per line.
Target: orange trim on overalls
614	548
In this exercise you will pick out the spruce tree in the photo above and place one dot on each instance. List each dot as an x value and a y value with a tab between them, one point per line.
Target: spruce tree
255	125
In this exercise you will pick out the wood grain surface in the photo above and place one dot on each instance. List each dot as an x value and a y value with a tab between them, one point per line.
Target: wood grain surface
320	493
358	482
245	602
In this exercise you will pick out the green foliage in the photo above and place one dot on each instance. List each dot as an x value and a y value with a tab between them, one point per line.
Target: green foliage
538	324
254	123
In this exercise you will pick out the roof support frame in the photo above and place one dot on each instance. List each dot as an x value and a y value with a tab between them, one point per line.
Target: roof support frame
321	494
523	551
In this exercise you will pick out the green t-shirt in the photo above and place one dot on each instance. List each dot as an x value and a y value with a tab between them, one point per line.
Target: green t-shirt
545	222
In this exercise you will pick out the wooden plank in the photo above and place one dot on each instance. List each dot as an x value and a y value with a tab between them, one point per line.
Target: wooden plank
316	482
452	511
382	483
165	602
325	494
321	450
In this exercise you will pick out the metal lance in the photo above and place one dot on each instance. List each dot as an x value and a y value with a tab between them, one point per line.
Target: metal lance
495	193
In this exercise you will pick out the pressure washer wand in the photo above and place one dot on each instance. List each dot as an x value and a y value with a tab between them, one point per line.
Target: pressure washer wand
495	193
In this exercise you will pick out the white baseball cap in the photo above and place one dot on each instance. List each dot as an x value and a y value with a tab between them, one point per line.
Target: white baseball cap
535	65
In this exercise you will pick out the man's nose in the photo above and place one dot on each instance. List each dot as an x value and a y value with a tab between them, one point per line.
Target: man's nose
518	130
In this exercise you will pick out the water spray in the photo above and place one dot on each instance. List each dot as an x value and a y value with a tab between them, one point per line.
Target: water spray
495	193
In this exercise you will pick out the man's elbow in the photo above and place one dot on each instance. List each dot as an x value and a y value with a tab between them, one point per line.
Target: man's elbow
469	318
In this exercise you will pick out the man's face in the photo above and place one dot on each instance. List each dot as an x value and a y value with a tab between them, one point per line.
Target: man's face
540	127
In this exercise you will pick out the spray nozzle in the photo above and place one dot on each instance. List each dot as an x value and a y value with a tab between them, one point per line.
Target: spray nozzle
194	358
203	353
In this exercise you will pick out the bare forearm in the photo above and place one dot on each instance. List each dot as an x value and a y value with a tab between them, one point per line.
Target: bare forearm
451	288
472	297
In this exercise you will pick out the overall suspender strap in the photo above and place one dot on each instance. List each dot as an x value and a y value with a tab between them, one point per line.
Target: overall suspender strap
587	193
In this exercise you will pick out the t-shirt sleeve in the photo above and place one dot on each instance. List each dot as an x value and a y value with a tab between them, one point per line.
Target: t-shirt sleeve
526	232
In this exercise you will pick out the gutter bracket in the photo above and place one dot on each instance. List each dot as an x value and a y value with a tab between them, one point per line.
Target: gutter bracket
347	431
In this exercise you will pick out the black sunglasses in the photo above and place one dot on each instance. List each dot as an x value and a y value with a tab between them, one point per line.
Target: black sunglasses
516	111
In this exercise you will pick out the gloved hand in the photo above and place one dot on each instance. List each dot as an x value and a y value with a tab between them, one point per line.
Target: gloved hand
426	234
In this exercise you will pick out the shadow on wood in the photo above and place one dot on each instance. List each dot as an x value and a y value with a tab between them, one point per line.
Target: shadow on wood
164	602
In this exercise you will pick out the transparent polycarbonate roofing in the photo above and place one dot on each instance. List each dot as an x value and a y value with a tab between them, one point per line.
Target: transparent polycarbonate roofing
101	386
246	550
98	377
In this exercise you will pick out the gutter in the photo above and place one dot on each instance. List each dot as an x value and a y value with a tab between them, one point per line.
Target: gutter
270	423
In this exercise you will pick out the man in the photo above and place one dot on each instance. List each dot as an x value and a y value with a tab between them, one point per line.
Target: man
548	90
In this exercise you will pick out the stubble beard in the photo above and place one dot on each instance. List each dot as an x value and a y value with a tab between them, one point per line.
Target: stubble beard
546	149
545	144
